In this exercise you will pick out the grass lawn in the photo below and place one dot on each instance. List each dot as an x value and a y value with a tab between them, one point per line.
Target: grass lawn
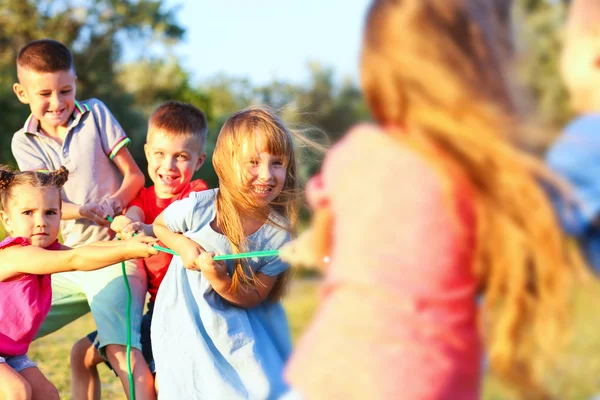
577	377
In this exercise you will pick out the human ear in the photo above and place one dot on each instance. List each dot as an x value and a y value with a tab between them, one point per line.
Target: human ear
21	93
5	221
200	162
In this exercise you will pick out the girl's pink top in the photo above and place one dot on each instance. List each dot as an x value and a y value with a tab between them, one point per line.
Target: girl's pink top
24	303
398	317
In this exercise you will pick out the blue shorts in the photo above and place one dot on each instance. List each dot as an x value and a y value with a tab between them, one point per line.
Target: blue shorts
104	292
18	363
144	339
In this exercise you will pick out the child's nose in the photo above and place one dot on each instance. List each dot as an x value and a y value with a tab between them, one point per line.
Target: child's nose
265	172
169	163
41	221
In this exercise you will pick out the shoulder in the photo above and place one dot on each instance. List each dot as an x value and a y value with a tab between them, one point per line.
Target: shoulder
273	235
95	104
198	201
368	153
204	197
584	125
198	185
579	140
19	138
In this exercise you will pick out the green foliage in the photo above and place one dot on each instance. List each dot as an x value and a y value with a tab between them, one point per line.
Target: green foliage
538	25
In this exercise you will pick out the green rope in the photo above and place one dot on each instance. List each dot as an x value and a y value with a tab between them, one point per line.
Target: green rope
252	254
128	349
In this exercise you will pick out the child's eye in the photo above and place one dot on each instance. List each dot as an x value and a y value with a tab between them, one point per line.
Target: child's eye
65	91
182	157
50	212
27	212
158	153
253	162
44	94
278	163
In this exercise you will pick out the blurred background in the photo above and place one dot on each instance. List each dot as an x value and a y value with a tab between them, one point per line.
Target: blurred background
299	56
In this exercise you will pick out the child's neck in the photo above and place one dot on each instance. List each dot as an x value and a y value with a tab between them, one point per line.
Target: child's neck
56	133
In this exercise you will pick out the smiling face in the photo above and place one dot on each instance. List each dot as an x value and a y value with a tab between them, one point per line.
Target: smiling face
33	214
262	172
50	95
172	160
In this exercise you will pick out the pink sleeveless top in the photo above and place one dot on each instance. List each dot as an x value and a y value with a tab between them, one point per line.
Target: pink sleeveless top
398	314
24	303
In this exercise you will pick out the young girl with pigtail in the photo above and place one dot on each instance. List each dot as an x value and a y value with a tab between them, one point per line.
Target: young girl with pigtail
30	209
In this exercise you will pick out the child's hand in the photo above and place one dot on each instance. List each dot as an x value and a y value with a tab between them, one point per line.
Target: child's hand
212	270
126	228
140	246
95	213
111	206
120	222
302	252
189	255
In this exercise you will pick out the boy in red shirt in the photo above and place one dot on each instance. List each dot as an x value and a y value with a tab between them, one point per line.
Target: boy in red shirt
174	150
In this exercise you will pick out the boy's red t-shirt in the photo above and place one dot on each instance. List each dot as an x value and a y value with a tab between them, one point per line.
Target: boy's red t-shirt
157	265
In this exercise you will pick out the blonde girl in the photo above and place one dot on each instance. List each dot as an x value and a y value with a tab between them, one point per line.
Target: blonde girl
449	211
219	329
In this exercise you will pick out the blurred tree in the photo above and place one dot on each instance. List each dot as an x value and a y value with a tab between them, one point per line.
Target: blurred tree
537	30
97	32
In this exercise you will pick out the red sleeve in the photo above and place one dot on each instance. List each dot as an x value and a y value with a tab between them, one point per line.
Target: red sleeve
198	185
10	241
137	201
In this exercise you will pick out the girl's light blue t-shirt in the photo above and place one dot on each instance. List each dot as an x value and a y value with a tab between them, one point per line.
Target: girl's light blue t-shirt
204	347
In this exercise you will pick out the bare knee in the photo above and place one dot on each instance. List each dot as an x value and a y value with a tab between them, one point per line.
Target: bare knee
17	389
45	390
84	354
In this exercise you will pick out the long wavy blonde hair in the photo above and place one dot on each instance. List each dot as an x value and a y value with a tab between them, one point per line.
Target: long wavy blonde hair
437	68
235	202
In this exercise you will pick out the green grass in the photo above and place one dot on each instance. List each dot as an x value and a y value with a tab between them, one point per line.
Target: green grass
577	376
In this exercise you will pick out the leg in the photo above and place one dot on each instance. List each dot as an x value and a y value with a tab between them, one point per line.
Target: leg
41	388
85	380
142	377
12	384
108	293
68	302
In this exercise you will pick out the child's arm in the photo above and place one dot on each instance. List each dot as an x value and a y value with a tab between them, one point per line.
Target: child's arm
131	223
91	211
187	249
133	182
312	248
18	260
246	296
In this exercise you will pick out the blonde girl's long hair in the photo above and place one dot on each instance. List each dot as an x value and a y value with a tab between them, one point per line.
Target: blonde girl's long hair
438	69
234	199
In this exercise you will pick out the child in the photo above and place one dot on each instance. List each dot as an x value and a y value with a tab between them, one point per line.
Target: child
219	330
575	155
30	208
84	137
451	212
175	150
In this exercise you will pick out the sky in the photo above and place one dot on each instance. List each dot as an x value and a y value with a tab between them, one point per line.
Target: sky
270	39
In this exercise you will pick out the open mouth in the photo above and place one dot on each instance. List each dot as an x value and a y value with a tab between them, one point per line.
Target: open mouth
56	113
168	180
262	190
